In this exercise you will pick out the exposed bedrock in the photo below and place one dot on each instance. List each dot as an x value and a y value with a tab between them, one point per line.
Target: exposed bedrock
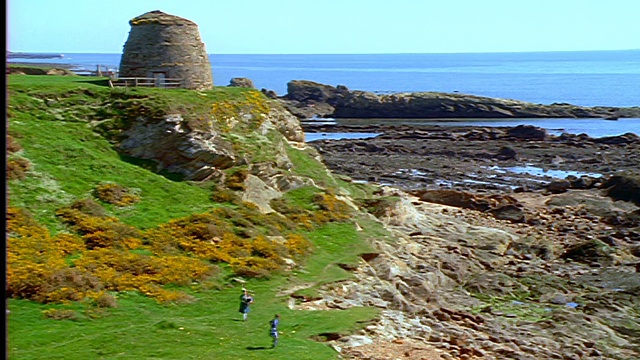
307	99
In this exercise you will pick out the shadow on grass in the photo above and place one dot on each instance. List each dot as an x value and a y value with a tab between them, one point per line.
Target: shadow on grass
151	166
257	348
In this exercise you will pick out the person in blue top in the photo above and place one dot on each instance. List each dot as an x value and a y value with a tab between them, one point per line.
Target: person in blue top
245	300
273	332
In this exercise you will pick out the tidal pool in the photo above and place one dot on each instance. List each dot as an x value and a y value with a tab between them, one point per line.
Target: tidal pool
540	172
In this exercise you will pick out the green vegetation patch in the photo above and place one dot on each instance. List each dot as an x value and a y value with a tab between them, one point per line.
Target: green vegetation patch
107	258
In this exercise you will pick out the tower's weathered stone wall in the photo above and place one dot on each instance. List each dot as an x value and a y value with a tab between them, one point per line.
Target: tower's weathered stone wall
162	45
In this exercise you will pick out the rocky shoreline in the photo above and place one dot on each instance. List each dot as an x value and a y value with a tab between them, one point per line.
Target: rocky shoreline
475	158
510	243
490	263
307	99
464	285
494	263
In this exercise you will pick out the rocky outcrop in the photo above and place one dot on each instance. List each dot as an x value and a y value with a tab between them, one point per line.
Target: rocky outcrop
465	285
435	157
465	199
241	82
28	70
201	154
307	99
175	148
624	187
527	132
468	273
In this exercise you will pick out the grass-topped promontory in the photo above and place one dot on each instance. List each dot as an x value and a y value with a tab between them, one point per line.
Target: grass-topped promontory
109	258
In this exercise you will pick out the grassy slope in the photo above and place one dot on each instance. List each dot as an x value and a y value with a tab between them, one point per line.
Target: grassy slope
69	160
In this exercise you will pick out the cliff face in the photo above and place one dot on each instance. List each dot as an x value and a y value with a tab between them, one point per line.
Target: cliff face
199	154
307	99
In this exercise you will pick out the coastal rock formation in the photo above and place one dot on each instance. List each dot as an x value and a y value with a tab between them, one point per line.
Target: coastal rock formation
28	70
624	187
242	82
166	46
462	284
493	258
200	154
307	99
433	157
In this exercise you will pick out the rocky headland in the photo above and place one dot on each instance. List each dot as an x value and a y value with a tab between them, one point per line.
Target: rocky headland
307	99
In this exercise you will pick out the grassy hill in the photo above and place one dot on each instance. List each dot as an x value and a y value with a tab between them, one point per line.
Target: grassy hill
109	258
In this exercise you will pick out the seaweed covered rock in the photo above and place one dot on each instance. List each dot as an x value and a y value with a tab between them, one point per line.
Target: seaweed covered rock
588	251
624	187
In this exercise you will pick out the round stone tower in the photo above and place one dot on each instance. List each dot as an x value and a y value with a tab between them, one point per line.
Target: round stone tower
166	46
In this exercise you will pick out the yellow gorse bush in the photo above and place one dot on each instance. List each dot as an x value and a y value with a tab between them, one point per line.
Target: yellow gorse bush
104	255
33	257
69	267
116	194
252	105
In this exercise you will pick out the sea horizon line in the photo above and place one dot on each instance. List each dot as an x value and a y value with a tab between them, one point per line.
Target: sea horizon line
340	53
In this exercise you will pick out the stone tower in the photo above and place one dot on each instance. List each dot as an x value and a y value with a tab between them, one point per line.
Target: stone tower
166	46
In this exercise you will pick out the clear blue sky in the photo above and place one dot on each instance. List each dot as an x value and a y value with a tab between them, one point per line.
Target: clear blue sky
335	26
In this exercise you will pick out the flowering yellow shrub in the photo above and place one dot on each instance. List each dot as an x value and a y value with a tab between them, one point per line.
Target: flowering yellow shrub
253	266
165	296
224	196
33	257
235	180
88	206
69	284
101	299
100	231
69	243
182	271
298	246
38	268
105	255
252	104
324	208
331	208
116	194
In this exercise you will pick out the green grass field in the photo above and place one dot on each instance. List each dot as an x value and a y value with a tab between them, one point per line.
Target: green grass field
52	118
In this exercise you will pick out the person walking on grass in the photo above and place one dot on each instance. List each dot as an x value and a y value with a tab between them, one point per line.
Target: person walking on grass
245	300
273	332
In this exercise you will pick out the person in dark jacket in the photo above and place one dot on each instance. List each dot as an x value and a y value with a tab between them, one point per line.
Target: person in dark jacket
273	331
245	300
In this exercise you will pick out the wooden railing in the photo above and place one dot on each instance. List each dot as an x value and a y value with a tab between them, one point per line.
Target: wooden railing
148	82
100	71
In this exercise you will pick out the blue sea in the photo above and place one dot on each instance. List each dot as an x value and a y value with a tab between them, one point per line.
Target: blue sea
587	78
